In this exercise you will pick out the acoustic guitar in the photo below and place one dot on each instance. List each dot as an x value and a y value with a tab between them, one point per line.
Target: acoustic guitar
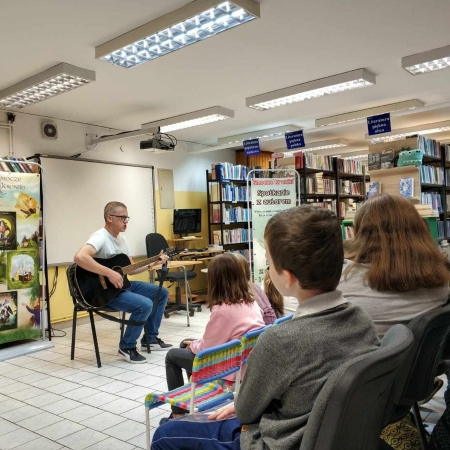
96	290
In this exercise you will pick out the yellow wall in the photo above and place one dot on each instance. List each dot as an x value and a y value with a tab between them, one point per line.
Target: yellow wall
61	307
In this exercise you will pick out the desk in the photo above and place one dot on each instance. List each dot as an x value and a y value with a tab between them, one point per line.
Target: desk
180	265
213	251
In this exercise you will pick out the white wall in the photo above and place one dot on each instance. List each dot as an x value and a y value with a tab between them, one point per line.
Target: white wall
189	170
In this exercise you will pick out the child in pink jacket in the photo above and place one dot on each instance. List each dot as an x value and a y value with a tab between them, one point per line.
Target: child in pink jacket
233	313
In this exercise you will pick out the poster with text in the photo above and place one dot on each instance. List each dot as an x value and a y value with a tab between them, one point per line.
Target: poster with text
269	196
20	215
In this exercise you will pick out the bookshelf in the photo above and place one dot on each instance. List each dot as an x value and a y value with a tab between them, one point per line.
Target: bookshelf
228	205
430	179
328	181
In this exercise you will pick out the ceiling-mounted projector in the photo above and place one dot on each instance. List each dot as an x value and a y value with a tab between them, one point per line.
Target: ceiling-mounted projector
157	145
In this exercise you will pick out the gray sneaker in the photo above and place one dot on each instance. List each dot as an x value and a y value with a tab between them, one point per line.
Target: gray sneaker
156	345
131	355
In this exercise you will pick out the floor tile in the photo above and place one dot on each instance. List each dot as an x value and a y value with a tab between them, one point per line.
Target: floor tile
103	421
16	387
129	377
140	440
10	404
82	439
80	377
95	381
115	387
41	443
60	429
22	413
135	393
80	393
126	430
81	413
99	399
46	382
16	438
121	405
35	376
149	380
111	444
41	420
61	388
45	399
62	406
7	427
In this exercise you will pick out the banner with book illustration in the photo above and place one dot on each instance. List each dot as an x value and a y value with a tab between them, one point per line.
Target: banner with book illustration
269	196
20	299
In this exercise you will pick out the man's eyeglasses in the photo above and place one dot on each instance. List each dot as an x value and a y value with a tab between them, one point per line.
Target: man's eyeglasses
122	218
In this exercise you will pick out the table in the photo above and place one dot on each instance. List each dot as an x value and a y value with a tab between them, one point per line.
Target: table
213	251
181	265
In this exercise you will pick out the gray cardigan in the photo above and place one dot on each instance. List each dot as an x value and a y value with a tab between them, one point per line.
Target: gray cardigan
289	366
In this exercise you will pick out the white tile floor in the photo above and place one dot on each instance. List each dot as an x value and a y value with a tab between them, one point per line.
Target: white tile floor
48	402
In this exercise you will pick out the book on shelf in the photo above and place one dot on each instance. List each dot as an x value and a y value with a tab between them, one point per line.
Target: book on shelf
374	161
387	158
407	187
353	166
19	165
431	175
217	240
374	189
426	210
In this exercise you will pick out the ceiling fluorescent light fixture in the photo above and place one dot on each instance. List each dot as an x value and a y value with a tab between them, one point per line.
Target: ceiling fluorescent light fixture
187	25
430	61
403	133
54	81
319	145
193	119
362	114
270	133
355	79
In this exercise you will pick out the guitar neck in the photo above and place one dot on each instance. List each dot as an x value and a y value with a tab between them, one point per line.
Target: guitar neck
132	267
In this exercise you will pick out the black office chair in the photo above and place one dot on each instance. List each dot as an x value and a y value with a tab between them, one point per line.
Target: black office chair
156	242
416	380
351	407
80	305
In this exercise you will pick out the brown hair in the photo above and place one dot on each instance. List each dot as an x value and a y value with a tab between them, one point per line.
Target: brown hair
112	207
244	264
227	282
391	236
275	298
307	241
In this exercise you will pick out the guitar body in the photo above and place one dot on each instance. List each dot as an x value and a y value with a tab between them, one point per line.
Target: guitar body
97	290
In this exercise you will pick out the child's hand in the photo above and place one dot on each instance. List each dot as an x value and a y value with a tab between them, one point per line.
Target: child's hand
223	413
187	344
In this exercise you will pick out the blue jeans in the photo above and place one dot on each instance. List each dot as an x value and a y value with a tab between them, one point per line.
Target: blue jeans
138	300
212	435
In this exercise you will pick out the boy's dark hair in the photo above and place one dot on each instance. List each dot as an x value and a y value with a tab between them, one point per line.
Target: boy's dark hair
307	241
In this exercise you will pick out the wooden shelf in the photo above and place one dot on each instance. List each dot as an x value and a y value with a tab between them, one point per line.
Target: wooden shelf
343	196
321	195
390	179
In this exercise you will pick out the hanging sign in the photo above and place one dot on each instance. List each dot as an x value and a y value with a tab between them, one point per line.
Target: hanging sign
295	139
269	196
379	124
251	147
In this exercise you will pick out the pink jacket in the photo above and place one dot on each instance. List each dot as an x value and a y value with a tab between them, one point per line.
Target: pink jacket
228	322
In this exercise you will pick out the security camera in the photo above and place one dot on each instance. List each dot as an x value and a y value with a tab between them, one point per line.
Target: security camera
11	117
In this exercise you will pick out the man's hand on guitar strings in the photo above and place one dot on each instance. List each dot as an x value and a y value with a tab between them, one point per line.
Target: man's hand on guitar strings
163	258
116	279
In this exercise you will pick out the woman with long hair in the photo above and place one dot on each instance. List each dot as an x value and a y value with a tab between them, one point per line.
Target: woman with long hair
392	267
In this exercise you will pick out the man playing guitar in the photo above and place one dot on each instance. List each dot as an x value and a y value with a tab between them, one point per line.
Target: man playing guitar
138	299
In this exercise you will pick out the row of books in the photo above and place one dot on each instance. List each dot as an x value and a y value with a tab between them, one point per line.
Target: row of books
447	152
354	166
228	171
433	199
230	192
383	160
230	214
235	236
431	175
347	187
13	164
245	253
347	208
429	147
319	185
426	210
442	232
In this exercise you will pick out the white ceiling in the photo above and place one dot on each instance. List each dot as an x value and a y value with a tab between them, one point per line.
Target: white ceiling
294	41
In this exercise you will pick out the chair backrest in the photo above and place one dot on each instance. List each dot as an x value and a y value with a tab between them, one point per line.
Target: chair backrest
350	409
416	378
217	362
283	319
155	242
249	340
76	298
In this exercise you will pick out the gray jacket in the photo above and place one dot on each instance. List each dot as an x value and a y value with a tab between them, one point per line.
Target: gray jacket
289	366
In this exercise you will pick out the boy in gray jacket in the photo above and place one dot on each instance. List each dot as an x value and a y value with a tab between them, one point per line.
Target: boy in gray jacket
291	361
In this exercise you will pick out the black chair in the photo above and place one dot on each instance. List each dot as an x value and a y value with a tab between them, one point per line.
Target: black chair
416	380
80	305
351	407
156	242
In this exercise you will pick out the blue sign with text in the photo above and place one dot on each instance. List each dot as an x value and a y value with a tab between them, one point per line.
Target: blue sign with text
379	124
295	139
251	147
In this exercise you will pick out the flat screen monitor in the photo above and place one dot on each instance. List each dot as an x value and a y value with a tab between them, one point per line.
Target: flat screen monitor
186	221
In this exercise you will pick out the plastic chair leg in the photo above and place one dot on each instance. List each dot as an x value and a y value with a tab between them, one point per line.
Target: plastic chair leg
94	338
147	426
74	331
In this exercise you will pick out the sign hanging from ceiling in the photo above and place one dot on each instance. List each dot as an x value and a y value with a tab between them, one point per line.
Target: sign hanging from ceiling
379	124
295	139
251	147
